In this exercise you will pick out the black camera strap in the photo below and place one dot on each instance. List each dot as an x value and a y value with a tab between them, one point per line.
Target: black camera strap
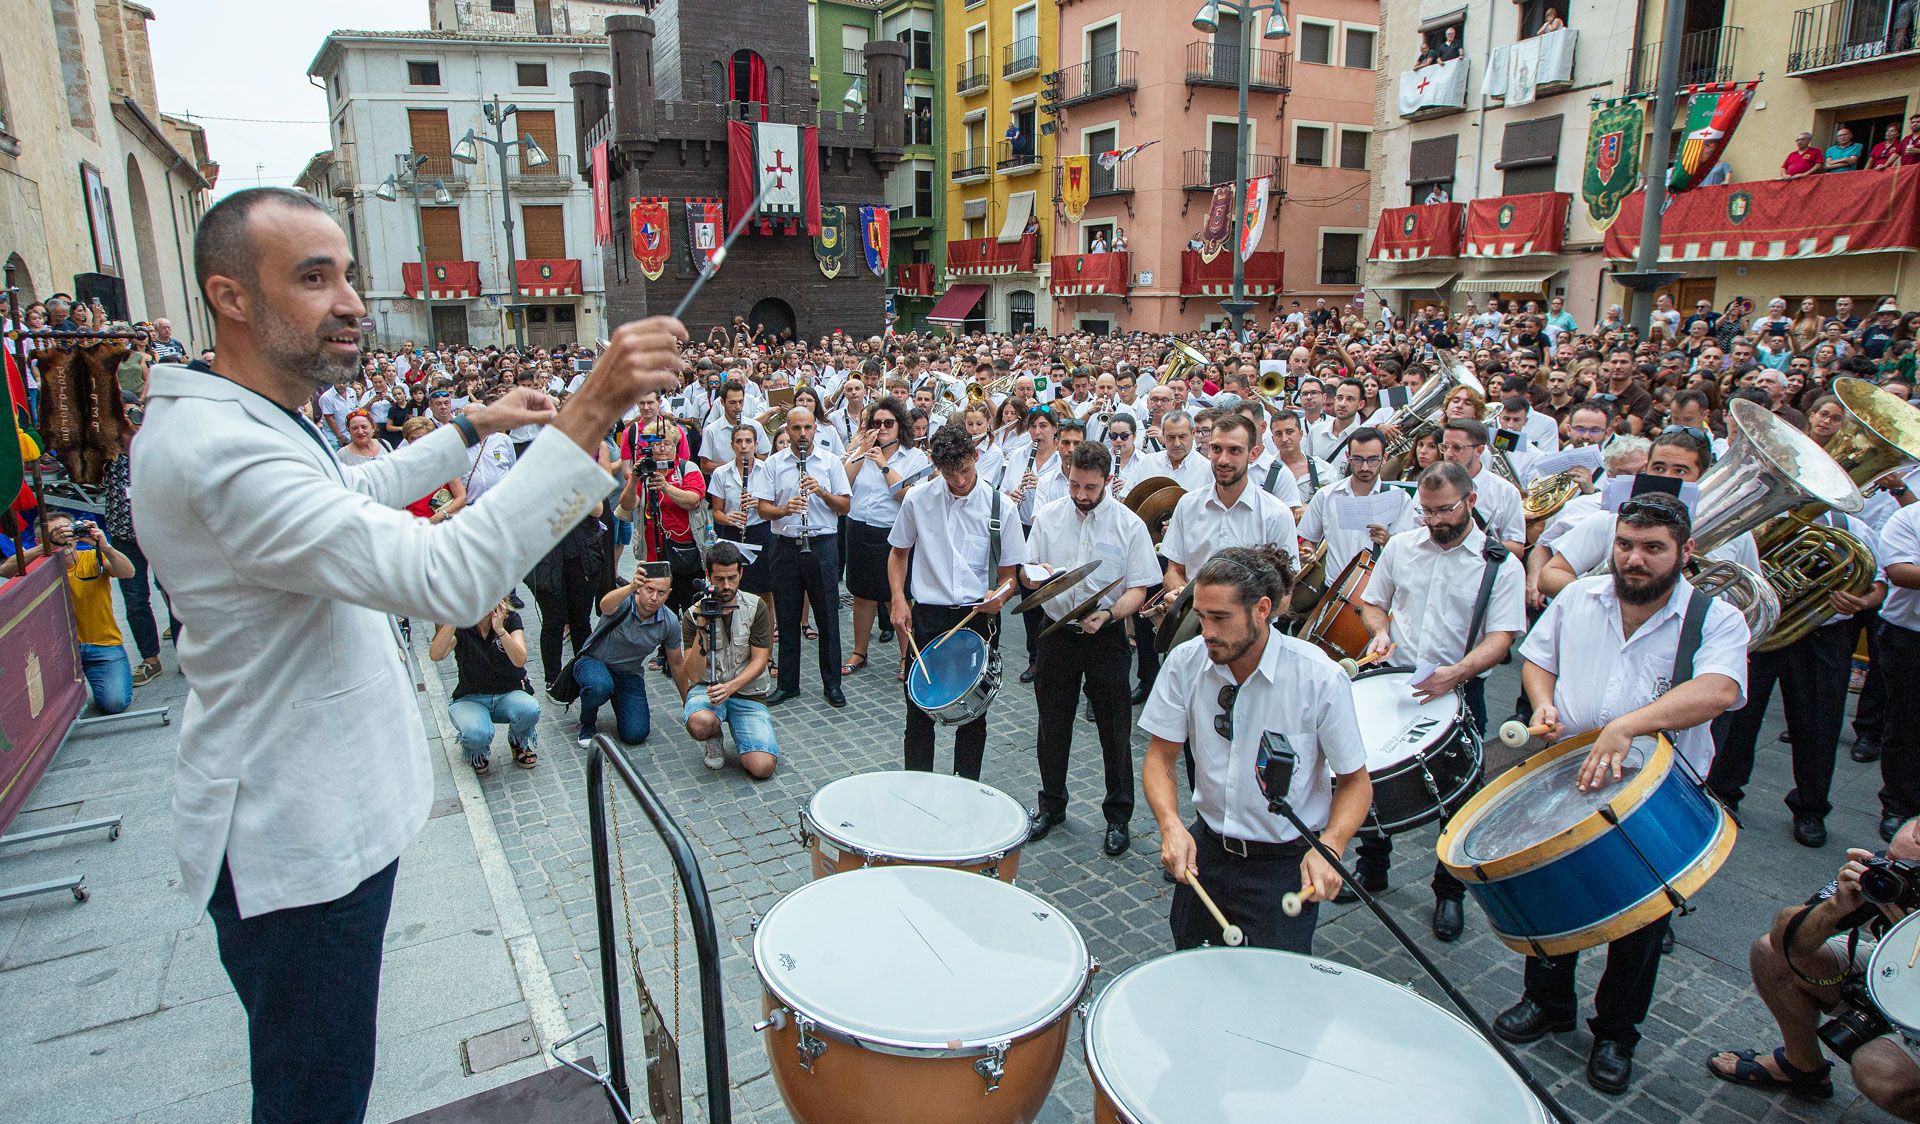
1786	950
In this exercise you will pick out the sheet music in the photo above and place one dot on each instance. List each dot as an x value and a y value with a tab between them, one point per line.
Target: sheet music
1586	456
1357	513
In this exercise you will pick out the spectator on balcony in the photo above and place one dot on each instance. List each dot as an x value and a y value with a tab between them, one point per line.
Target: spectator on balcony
1552	23
1886	154
1910	144
1446	50
1721	172
1803	161
1119	239
1017	139
1099	245
1843	155
1437	194
1032	229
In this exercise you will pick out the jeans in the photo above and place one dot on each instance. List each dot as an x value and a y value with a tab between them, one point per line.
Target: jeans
137	593
627	689
748	720
309	979
475	716
109	676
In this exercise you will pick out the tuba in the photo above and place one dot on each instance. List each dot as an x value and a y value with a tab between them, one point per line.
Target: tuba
1806	561
1421	414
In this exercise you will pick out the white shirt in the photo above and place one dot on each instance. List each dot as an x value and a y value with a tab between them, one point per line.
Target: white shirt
1429	595
778	481
1295	691
1322	522
875	502
1052	486
1286	487
716	440
1065	538
1588	544
724	485
1501	506
1542	431
1603	674
1568	517
1194	473
1900	543
487	463
948	535
1201	525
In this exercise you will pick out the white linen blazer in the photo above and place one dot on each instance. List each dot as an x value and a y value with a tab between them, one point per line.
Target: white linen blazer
302	760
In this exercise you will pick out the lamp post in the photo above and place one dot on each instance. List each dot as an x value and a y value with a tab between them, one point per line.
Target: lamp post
468	152
1207	21
1647	276
409	177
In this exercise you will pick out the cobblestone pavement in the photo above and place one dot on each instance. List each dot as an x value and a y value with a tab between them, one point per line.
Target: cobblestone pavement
746	837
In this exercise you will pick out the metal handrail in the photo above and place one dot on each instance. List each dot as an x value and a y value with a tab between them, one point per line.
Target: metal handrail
1845	31
706	941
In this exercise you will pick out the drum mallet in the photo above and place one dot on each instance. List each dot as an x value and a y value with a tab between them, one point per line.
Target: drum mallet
1352	666
1515	733
1229	933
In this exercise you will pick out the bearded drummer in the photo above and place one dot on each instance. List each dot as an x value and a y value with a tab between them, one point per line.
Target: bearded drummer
1611	654
943	556
1221	694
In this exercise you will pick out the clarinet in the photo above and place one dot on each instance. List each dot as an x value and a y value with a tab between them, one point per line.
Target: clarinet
805	451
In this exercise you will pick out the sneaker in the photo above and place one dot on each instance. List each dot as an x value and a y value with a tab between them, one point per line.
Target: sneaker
587	734
146	672
713	753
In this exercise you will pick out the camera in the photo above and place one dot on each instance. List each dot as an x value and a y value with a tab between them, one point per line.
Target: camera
1891	882
1857	1022
707	603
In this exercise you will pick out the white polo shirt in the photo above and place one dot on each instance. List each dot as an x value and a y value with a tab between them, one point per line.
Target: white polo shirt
1063	537
1588	544
1500	505
1202	525
948	535
778	481
1429	595
1321	522
716	440
487	464
724	485
1193	474
1900	543
875	503
1603	674
1296	692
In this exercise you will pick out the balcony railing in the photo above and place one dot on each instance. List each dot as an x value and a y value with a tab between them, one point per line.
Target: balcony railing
1020	57
558	166
1117	180
853	60
1208	65
1009	159
970	76
969	163
1099	77
1845	33
441	164
1204	168
1705	56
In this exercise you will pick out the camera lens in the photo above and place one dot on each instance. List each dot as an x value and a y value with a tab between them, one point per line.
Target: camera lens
1855	1025
1880	885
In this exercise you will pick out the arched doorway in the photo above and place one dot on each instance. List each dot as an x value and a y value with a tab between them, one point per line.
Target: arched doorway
1020	310
747	84
18	277
146	250
769	318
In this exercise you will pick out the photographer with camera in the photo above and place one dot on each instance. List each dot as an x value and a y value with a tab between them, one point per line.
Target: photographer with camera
1814	961
82	547
659	498
727	642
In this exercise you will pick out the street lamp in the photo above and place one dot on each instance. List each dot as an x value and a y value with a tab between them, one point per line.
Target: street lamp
1207	22
409	177
532	156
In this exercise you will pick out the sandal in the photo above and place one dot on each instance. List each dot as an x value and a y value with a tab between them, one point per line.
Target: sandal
851	666
481	766
1810	1084
810	632
525	757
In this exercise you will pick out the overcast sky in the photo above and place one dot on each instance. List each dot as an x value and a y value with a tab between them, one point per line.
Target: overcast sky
221	60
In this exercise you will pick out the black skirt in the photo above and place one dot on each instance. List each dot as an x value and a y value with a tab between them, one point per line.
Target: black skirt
757	578
867	552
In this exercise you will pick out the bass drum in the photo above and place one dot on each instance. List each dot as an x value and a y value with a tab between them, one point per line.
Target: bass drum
1424	758
1335	625
917	994
924	819
1310	585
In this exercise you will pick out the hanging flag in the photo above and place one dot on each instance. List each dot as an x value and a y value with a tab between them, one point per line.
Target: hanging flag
830	244
1076	185
651	245
1253	215
1213	236
1613	158
1115	155
706	231
602	197
873	235
1712	116
778	163
1523	72
1442	85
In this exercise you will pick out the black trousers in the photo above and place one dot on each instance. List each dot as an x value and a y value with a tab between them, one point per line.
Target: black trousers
1870	709
1812	674
970	740
565	613
1625	991
1900	737
1375	852
1067	657
1248	891
756	578
812	576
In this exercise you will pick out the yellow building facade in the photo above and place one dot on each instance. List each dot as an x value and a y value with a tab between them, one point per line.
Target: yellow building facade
999	182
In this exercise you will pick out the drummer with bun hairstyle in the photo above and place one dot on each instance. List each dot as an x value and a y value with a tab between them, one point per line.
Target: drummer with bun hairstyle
1222	694
1604	657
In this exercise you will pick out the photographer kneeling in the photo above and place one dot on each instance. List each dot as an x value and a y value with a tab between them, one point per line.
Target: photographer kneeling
617	669
731	687
1827	943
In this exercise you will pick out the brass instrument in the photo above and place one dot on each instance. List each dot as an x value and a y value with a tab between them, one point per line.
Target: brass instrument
1421	414
1806	561
1271	384
977	394
1186	358
1544	499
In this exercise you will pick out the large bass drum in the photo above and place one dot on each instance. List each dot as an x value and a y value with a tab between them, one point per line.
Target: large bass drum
927	819
917	994
1424	758
1258	1036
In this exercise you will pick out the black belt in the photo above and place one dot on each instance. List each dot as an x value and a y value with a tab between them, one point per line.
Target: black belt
1253	848
807	538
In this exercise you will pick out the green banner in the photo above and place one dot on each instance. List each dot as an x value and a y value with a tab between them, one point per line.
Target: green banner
12	467
1613	158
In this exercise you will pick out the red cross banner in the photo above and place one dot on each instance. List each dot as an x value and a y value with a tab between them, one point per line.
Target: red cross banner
778	164
651	241
785	161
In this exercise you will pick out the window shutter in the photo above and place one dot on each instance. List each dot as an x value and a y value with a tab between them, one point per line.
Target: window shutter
427	129
1431	161
545	231
538	124
442	227
1532	143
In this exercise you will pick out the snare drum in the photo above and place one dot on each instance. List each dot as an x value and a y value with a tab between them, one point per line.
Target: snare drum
1558	870
1335	624
927	819
917	993
954	678
1254	1036
1424	758
1893	986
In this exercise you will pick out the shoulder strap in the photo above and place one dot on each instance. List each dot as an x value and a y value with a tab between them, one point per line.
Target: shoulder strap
1495	553
993	541
1313	475
1273	475
1691	630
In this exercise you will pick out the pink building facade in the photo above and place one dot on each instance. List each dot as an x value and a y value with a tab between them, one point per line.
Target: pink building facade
1134	73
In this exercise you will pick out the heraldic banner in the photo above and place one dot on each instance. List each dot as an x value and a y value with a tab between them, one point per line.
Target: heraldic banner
706	233
651	245
1213	236
873	235
1253	216
1076	185
830	245
1712	115
1613	158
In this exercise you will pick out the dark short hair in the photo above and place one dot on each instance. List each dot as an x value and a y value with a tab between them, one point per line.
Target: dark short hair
1120	417
1091	456
951	447
221	247
1678	521
1681	439
1240	424
724	553
902	416
1446	474
1289	415
1367	433
1601	408
1473	431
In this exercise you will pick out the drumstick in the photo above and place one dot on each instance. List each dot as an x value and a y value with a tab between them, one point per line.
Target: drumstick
999	591
917	660
1514	733
1229	933
1915	958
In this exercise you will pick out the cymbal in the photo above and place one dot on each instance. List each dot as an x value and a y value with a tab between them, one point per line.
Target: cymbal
1056	585
1167	633
1085	607
1139	492
1158	509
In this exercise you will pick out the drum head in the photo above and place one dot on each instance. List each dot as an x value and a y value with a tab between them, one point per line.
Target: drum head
918	817
1542	804
947	668
1894	987
1393	724
1233	1035
921	957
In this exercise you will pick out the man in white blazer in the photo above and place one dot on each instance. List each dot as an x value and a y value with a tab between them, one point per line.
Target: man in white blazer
303	770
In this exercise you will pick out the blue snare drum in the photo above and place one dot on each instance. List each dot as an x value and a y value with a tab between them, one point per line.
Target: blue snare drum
1559	870
954	678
